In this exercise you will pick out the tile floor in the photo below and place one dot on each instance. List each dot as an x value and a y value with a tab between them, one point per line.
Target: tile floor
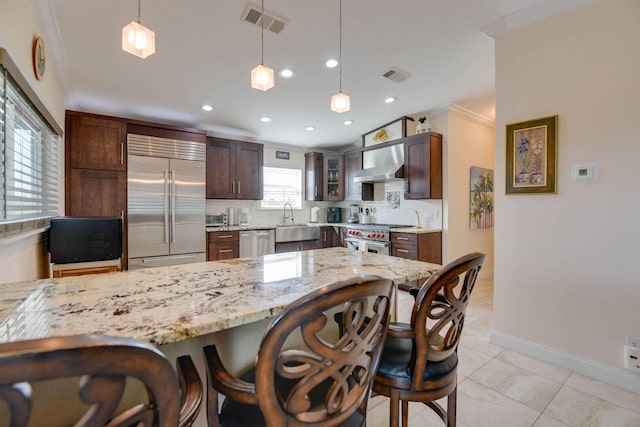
499	387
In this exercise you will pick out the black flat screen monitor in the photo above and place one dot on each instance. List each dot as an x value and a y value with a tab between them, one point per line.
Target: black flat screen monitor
84	239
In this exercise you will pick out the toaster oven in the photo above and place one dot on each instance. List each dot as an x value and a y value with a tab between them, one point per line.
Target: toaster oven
217	220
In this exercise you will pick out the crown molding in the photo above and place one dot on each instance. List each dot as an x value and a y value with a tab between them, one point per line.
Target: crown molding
479	118
530	15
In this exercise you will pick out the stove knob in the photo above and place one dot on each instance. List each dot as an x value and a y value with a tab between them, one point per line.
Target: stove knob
368	236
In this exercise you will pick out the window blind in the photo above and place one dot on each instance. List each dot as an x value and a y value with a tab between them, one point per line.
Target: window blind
29	157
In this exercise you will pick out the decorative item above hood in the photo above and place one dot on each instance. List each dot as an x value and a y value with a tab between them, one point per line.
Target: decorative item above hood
382	164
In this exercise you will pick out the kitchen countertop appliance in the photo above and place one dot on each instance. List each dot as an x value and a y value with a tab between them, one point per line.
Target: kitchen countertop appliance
372	238
354	214
334	214
314	214
166	201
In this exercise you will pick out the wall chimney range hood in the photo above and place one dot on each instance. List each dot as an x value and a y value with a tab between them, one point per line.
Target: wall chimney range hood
382	164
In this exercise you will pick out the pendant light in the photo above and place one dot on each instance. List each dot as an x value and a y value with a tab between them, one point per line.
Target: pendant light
340	102
137	39
261	76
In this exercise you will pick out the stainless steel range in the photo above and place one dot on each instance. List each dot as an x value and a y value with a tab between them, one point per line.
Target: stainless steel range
372	238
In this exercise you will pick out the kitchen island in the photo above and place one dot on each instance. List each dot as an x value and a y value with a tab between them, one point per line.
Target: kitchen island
182	308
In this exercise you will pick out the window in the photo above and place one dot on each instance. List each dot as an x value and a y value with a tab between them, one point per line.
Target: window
28	157
281	186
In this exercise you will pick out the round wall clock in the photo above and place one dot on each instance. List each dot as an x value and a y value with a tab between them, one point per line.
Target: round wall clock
39	57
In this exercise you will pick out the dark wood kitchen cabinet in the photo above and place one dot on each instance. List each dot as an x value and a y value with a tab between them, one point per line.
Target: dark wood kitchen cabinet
425	247
96	193
234	169
96	169
423	166
355	191
333	182
324	175
313	167
96	142
223	245
330	236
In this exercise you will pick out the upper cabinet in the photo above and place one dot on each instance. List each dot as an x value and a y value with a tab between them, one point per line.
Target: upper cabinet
423	166
234	169
324	176
333	177
96	142
313	166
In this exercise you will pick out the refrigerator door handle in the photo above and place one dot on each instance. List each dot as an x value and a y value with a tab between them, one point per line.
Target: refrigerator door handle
166	206
173	206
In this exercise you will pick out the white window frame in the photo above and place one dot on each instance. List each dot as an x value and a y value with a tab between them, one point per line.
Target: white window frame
278	205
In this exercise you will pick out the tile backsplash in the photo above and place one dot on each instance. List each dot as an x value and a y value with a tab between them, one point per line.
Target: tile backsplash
389	204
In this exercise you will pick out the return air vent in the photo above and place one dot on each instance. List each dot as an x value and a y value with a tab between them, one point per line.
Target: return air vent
252	15
395	74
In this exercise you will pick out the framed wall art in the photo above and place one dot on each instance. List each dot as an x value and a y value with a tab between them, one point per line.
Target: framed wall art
532	150
481	199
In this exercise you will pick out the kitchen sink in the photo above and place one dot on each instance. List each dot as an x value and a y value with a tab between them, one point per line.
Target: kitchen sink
296	232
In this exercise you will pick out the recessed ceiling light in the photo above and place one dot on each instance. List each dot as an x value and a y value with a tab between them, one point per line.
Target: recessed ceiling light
207	107
390	99
265	119
332	63
286	73
310	128
348	122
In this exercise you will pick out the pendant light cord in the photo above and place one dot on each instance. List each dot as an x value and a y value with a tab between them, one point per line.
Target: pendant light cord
138	11
262	34
340	46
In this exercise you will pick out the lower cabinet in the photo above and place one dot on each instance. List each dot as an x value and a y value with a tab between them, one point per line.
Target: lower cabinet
425	247
223	245
331	237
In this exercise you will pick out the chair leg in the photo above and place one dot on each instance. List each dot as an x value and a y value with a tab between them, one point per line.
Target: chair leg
393	408
405	413
451	407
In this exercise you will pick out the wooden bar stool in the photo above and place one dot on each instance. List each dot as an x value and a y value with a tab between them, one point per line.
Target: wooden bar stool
323	381
104	363
420	360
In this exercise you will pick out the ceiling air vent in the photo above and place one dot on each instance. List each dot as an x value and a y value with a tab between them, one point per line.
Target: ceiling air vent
252	15
396	74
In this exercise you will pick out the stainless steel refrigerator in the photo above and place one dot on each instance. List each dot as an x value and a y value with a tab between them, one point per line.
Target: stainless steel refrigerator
166	205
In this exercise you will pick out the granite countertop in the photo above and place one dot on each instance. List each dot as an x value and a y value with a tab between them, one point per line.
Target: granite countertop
415	230
407	229
169	304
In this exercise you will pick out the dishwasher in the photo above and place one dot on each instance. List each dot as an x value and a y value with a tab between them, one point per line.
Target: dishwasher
257	243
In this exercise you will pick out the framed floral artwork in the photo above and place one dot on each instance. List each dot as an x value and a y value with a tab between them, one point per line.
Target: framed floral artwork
532	151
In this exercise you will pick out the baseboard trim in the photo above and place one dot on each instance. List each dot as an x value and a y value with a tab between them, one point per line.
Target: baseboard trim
599	371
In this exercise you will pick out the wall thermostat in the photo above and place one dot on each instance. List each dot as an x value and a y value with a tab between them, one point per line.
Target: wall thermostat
583	172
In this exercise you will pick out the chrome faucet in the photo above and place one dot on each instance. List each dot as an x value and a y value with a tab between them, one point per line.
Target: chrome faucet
284	211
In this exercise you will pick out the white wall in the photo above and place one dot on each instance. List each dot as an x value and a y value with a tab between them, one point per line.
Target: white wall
468	140
470	143
566	282
27	259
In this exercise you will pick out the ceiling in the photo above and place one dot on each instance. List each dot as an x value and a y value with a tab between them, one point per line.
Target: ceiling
205	52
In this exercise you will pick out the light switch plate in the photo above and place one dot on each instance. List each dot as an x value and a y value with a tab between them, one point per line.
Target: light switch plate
583	172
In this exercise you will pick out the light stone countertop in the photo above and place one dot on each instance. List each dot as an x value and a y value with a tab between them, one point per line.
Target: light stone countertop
407	229
170	304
